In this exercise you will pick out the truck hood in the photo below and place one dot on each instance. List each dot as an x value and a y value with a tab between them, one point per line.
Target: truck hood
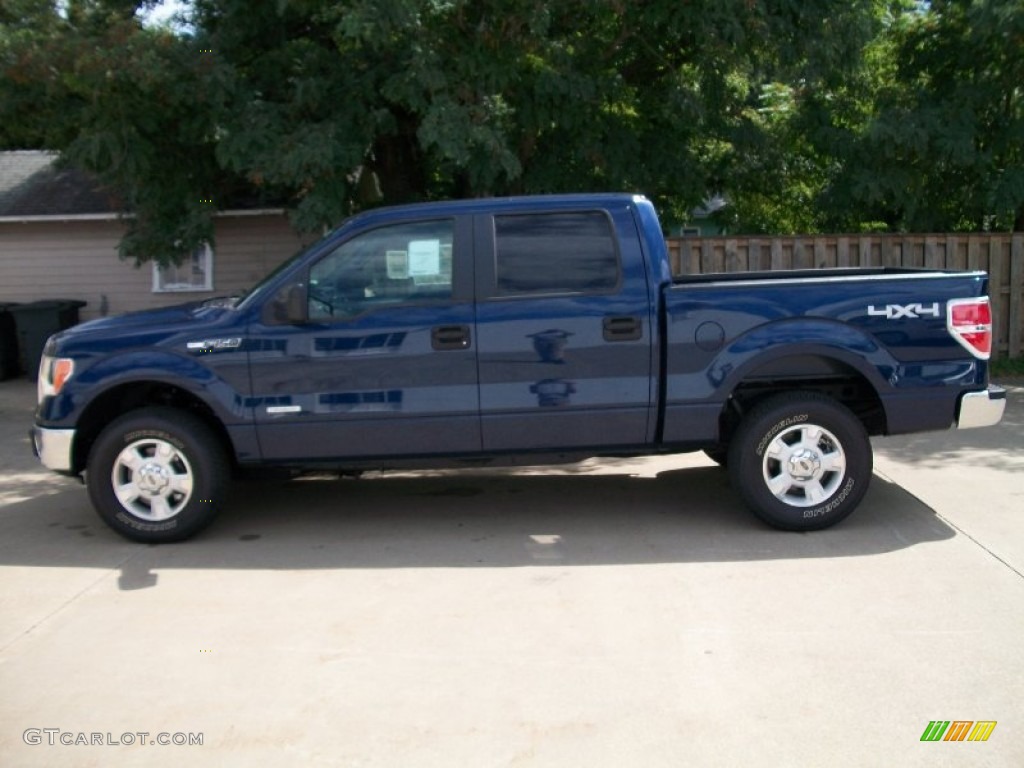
149	327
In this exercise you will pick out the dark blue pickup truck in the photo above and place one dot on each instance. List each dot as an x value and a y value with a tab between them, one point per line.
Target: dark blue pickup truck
523	330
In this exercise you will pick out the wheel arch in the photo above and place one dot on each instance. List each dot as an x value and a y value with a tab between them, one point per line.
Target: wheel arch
835	373
128	396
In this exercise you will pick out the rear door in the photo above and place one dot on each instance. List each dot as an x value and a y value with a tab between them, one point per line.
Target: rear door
564	329
386	364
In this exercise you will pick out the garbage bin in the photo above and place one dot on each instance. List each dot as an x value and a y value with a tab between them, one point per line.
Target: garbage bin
68	312
36	322
9	366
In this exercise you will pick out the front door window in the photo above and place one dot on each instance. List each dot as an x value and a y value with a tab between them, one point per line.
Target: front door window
401	264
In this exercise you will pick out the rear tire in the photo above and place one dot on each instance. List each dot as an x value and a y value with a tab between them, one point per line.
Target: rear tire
801	461
157	475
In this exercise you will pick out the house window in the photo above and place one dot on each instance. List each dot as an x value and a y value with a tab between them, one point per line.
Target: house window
195	273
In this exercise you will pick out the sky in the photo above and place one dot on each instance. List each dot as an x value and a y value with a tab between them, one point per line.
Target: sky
164	11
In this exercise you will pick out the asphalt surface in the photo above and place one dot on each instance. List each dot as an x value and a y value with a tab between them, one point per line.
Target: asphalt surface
613	613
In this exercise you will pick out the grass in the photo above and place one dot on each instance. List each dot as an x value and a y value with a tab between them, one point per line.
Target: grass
1013	366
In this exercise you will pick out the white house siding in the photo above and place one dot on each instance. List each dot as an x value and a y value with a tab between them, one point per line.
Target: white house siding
78	260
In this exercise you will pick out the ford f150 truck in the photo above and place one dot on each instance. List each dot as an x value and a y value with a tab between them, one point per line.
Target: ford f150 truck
520	330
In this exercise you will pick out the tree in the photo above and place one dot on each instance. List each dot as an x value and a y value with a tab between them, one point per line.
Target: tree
330	107
945	147
416	99
130	104
793	141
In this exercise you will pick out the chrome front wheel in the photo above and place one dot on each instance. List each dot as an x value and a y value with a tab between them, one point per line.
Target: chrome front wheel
158	474
152	479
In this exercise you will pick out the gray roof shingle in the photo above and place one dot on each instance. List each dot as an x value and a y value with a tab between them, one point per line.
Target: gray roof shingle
33	183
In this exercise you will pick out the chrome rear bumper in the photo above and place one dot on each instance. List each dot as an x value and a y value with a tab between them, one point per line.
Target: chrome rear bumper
981	409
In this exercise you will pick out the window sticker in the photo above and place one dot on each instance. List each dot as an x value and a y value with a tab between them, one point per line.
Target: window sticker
398	264
424	258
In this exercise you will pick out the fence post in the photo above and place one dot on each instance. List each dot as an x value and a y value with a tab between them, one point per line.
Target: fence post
864	251
995	288
843	252
973	255
1016	292
732	258
776	253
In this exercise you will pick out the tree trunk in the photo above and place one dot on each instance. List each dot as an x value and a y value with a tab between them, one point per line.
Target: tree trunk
399	163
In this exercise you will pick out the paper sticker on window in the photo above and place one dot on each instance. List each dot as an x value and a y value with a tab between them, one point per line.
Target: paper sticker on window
398	264
424	258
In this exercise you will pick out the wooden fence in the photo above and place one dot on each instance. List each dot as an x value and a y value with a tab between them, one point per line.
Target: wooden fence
1001	255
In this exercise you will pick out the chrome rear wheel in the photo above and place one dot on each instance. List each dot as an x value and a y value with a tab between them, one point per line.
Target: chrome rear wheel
801	461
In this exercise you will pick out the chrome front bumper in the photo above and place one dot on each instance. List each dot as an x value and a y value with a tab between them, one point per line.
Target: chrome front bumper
981	409
53	447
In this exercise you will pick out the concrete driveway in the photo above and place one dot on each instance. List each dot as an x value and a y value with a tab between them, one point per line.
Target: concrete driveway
615	613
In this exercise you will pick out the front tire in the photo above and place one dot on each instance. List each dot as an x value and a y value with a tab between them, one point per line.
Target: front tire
157	475
801	461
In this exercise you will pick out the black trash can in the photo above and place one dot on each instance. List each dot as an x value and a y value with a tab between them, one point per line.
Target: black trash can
68	312
9	365
36	322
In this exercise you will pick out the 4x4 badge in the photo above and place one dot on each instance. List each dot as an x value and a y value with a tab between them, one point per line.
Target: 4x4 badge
896	311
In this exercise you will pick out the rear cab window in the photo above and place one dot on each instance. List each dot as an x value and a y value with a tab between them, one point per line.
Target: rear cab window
567	252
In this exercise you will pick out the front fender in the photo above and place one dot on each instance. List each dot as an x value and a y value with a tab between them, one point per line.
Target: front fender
216	380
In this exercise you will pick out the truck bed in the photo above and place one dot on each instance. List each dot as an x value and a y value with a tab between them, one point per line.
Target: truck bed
837	273
822	328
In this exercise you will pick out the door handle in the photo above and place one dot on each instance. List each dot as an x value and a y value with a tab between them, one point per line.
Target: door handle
448	337
623	328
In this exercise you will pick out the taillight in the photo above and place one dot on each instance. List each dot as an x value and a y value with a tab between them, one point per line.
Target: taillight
970	322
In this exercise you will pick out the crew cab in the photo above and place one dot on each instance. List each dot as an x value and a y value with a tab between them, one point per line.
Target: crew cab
520	330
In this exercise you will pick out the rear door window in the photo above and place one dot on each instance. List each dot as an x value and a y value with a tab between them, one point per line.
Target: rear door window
570	252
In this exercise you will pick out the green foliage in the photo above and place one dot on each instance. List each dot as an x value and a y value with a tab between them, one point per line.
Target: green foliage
944	148
416	99
802	115
127	103
807	116
1007	367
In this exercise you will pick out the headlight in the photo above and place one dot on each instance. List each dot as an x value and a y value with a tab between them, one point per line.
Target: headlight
53	374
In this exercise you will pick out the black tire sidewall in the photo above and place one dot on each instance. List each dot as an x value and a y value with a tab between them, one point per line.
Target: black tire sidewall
186	433
774	416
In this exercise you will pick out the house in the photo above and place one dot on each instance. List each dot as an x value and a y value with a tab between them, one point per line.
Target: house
59	233
701	221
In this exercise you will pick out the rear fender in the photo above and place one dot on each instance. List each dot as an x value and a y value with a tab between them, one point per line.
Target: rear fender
803	338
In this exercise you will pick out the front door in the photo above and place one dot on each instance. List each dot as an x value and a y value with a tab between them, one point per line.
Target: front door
386	364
